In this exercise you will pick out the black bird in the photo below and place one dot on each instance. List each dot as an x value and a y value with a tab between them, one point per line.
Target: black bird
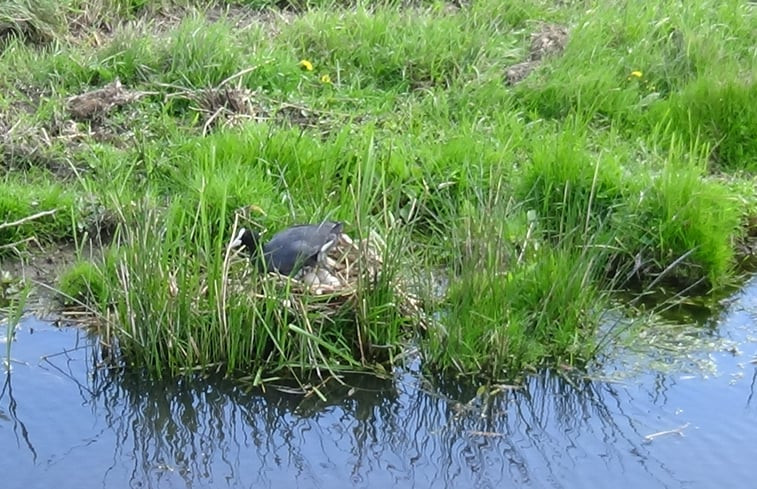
292	248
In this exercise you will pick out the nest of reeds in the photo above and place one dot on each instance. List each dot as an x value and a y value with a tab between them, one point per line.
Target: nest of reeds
352	267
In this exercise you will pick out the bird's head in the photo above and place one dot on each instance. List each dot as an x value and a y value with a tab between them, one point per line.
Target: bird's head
246	239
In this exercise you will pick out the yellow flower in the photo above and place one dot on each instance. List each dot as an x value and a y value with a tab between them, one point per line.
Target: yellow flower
326	79
637	74
305	65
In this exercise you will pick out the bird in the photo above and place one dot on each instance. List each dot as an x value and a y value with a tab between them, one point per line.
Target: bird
291	249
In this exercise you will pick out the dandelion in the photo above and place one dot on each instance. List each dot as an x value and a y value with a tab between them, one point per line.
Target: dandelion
305	65
637	74
326	79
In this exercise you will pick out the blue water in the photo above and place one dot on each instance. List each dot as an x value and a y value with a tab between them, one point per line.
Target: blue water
66	424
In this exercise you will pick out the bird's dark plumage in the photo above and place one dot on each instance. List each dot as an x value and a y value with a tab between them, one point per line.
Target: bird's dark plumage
292	248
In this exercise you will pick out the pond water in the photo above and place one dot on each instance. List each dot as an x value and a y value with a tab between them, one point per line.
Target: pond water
64	424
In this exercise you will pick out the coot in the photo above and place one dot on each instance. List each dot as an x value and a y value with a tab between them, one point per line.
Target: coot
292	248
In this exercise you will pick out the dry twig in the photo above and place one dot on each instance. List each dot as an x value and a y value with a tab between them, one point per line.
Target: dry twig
28	218
677	431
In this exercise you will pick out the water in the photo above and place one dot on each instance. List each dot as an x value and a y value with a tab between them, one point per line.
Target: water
62	426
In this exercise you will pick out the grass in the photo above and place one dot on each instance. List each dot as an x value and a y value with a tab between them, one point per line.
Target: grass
719	114
624	159
36	20
13	307
50	201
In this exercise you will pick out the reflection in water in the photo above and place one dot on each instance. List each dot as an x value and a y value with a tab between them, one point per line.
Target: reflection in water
201	429
208	431
401	432
19	428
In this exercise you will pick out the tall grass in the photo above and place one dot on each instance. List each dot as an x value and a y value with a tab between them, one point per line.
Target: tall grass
14	294
683	217
672	214
179	305
719	114
38	21
515	301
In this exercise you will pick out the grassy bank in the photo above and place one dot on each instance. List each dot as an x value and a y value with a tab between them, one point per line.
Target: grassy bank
620	156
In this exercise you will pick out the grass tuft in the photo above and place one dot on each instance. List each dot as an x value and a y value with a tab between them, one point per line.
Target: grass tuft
35	21
720	114
83	283
683	217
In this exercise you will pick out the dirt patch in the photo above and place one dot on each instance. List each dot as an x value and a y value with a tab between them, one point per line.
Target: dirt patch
549	40
24	156
518	72
39	267
52	144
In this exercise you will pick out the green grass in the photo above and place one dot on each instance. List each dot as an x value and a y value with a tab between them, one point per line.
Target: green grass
625	160
51	202
718	113
171	269
521	296
541	313
83	283
39	21
681	214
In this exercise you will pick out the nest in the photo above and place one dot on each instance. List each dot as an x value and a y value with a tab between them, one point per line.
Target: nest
348	262
350	265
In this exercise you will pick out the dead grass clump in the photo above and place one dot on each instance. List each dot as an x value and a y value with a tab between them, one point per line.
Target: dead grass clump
97	103
23	147
302	116
549	40
225	107
23	155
